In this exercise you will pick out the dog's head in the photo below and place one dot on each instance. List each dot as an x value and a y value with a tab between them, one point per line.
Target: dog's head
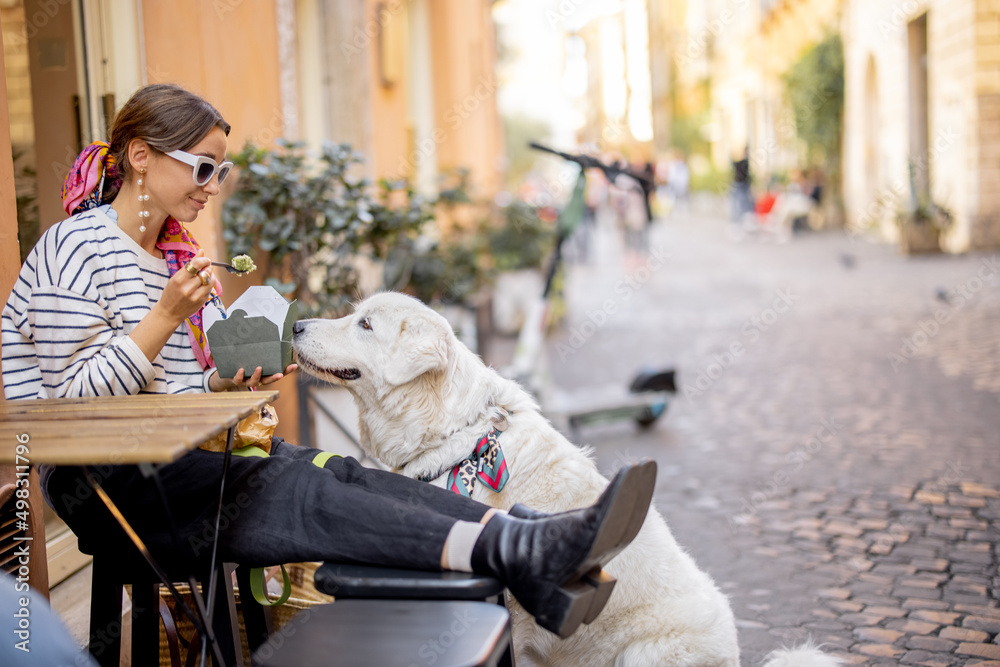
390	340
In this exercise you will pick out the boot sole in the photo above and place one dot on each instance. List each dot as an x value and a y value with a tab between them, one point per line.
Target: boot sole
627	500
644	479
582	595
566	608
578	600
603	584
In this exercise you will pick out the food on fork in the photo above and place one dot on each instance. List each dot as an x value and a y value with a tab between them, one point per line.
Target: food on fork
243	264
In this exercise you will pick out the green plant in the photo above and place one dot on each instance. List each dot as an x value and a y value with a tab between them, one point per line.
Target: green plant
449	270
440	265
312	218
687	132
814	87
926	213
921	209
518	130
710	179
520	239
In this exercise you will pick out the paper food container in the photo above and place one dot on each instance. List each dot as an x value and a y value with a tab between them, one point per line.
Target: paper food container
257	332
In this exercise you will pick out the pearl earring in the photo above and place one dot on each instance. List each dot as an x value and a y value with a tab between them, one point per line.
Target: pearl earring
143	198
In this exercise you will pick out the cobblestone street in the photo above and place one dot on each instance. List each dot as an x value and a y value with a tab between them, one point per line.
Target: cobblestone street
833	456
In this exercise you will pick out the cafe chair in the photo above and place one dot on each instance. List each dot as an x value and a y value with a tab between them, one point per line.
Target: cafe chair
390	633
116	567
369	582
15	532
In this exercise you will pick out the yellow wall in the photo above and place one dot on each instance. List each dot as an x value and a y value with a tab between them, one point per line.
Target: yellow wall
10	260
963	109
208	49
53	85
788	31
466	129
227	52
389	108
985	232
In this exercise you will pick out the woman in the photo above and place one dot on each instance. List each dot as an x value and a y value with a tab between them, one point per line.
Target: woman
110	303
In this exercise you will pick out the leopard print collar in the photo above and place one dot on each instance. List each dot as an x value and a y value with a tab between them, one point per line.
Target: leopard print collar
486	464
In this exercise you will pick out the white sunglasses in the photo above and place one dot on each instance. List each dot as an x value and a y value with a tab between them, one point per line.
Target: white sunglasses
203	168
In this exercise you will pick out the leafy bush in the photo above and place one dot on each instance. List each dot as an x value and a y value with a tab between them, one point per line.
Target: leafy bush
521	239
312	219
814	86
448	271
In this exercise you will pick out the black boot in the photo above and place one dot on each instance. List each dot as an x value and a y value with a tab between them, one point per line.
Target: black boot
602	582
524	512
543	561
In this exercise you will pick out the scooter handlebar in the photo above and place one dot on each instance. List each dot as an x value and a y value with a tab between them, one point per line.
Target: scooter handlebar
589	162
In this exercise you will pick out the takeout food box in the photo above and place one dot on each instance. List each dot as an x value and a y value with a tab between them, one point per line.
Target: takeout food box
257	332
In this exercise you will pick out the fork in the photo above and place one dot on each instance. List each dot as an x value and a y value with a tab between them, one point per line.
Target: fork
230	268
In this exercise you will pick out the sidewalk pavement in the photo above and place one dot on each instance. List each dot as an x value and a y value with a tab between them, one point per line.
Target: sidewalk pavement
833	456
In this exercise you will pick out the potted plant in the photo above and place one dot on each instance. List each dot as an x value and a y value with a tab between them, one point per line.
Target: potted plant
920	227
313	224
519	241
922	222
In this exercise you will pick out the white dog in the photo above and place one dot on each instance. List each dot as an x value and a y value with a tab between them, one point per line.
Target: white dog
426	400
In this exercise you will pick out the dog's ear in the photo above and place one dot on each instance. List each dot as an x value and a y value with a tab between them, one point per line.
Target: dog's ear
422	346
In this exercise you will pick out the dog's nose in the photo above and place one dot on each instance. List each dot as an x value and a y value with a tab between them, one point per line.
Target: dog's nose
298	328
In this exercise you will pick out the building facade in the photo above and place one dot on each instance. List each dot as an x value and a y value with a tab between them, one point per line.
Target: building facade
719	67
922	117
409	83
618	105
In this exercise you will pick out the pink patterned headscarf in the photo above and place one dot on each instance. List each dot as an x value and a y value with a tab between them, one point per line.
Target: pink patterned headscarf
85	181
82	190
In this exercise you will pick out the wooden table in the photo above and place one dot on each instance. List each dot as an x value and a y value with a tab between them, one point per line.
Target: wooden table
119	430
148	431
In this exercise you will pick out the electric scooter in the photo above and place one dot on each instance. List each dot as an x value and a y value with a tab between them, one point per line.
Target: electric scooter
648	395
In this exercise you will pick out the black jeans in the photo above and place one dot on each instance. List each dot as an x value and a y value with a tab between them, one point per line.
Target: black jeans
277	509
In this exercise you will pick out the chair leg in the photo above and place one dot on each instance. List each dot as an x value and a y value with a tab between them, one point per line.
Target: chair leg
105	614
256	617
225	622
507	659
145	621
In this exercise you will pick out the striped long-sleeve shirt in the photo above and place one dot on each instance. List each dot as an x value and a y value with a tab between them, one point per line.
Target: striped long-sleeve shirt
66	325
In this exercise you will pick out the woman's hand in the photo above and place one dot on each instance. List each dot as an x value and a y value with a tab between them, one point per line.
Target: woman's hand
187	290
240	381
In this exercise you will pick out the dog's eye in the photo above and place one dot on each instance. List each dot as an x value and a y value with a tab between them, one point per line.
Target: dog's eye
365	324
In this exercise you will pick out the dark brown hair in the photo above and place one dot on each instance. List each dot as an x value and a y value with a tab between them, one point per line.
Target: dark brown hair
165	116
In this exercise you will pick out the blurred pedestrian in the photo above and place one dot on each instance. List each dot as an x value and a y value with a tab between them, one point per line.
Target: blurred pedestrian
742	201
678	179
631	205
595	197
